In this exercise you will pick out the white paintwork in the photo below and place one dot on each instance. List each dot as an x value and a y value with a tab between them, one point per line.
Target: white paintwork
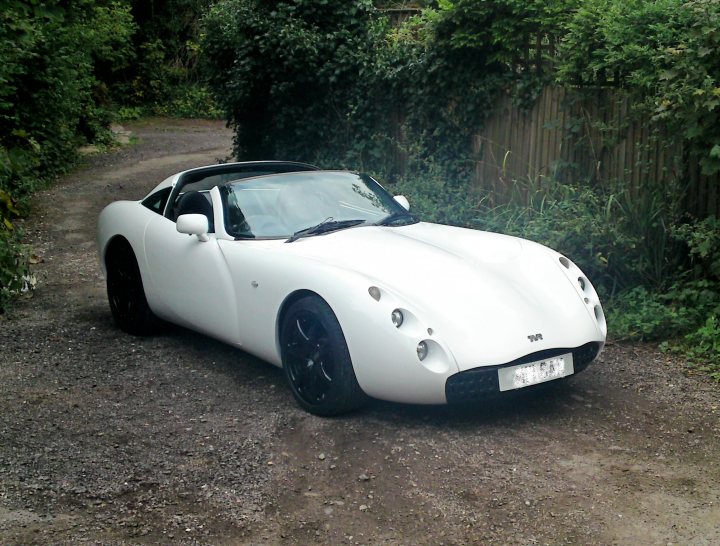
474	296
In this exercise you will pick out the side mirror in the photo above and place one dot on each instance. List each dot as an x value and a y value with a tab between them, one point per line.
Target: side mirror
193	224
403	201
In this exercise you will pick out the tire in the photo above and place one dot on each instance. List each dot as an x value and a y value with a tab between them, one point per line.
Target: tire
125	291
316	359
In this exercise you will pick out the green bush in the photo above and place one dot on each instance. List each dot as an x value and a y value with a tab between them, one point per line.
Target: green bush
661	52
641	314
702	348
187	101
437	199
703	241
306	80
15	275
51	100
289	74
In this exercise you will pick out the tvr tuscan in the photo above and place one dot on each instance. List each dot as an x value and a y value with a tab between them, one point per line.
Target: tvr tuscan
328	276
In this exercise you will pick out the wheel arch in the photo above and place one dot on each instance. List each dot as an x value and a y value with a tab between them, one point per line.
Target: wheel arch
116	241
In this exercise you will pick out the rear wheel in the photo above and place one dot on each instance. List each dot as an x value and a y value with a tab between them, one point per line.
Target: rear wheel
316	359
126	294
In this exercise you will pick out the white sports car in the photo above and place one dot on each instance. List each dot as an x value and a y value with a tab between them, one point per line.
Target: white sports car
326	275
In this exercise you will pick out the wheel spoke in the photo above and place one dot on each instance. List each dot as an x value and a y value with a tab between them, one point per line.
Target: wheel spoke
301	331
303	336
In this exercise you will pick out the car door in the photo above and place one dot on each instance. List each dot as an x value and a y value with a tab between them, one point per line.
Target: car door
192	283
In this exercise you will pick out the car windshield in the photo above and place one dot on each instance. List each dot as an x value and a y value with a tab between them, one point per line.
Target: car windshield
281	205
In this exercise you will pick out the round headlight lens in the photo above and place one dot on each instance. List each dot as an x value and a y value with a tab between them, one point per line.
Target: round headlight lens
397	318
422	350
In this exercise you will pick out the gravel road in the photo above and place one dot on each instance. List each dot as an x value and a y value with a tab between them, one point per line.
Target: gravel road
178	439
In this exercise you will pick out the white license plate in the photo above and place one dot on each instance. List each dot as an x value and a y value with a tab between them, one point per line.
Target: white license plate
532	373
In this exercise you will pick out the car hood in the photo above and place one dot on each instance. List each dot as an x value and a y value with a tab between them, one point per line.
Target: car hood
487	296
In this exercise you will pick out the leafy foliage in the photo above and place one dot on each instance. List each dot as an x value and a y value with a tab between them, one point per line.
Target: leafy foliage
702	348
663	53
309	80
288	74
15	276
50	101
641	314
703	241
163	78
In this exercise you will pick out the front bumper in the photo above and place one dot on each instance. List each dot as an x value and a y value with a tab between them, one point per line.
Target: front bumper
476	383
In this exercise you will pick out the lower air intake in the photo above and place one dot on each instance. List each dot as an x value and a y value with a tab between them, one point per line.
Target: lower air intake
472	385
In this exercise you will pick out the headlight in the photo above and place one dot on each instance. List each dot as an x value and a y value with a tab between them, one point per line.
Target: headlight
422	350
397	318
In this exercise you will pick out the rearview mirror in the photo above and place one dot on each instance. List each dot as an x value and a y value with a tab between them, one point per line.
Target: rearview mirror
403	201
193	224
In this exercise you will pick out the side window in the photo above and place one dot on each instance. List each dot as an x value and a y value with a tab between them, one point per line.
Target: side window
156	202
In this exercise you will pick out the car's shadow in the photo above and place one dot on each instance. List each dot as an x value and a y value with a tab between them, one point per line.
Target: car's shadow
248	372
541	403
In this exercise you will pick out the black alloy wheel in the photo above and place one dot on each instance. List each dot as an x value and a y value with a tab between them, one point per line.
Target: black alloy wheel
316	360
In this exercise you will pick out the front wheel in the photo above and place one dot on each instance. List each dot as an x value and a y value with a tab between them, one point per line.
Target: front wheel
316	359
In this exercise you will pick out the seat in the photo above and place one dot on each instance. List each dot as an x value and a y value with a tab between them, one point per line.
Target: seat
194	202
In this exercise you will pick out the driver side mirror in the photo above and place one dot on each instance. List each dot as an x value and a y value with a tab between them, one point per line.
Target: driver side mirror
403	201
193	224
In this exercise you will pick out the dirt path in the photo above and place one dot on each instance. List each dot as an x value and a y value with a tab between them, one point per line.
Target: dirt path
177	439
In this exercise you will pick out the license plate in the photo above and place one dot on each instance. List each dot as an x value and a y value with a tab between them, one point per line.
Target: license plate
532	373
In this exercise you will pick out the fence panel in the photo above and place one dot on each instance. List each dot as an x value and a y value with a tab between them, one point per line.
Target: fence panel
590	139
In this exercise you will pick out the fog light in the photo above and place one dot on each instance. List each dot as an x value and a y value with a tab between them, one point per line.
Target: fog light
397	318
422	350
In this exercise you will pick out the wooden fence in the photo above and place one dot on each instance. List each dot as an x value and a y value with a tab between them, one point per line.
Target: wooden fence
590	139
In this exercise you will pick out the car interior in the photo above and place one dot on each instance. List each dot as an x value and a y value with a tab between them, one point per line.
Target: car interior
195	202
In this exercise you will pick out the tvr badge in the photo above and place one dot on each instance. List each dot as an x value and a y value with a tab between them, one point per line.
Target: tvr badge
535	337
